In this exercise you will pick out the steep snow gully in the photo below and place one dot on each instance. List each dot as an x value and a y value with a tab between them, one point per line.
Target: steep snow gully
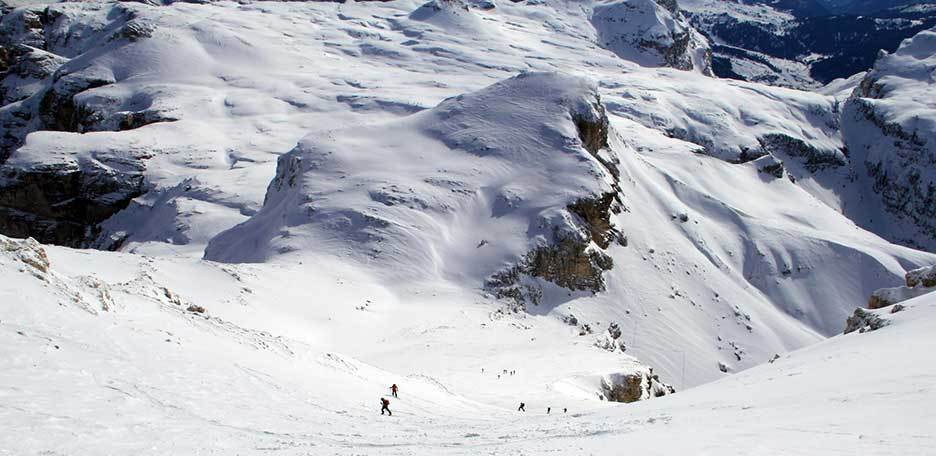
228	228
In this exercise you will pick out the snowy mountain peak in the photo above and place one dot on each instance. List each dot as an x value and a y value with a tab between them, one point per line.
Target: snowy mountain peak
652	33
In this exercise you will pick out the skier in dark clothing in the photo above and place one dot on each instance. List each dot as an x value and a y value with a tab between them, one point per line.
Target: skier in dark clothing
385	406
393	389
548	409
565	410
522	407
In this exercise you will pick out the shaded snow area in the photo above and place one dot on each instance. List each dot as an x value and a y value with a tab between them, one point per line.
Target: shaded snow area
229	227
115	363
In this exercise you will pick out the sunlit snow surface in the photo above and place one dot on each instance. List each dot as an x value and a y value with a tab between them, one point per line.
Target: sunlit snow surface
293	353
278	368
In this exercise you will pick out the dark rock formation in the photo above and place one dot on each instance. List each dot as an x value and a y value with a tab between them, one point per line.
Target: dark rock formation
43	86
922	277
814	159
57	108
595	214
863	321
769	165
64	204
23	64
634	387
570	264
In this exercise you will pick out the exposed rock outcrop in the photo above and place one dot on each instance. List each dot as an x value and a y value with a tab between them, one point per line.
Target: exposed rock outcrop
568	259
884	297
922	277
918	282
770	165
27	67
27	251
634	387
47	86
813	158
64	203
864	321
568	262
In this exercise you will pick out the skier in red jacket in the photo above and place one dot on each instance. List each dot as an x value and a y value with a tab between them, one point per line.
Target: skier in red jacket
393	389
385	406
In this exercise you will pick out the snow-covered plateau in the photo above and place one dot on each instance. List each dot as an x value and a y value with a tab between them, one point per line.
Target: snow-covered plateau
229	227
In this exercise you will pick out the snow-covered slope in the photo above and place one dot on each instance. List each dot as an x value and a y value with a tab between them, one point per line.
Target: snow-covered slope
114	361
466	192
314	200
422	192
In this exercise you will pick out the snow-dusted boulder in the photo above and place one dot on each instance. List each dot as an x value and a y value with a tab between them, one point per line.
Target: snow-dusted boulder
769	165
864	320
922	277
523	162
884	297
634	387
651	33
889	126
26	251
918	282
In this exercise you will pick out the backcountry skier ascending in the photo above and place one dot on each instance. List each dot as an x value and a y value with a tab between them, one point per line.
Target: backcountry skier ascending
385	406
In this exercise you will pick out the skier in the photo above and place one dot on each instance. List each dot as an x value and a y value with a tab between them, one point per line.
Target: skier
385	405
565	410
548	409
522	407
393	389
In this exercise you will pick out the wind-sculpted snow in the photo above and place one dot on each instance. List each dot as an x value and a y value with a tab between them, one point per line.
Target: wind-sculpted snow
730	120
460	189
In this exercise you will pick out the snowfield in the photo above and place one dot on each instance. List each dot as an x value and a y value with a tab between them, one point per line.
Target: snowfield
271	367
548	202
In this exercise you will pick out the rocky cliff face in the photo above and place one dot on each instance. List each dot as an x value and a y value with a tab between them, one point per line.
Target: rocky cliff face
889	127
48	83
64	203
573	259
